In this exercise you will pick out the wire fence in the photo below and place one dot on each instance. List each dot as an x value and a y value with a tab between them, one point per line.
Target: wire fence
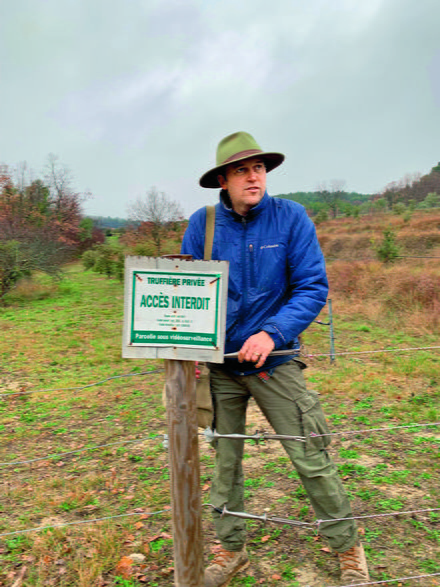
317	523
19	392
342	353
405	350
263	518
78	522
357	259
397	580
21	389
212	435
78	451
259	436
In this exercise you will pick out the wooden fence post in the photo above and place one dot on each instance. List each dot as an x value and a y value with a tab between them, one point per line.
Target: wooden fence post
184	473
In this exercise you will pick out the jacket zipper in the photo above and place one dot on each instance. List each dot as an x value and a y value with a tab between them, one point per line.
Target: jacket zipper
244	282
252	264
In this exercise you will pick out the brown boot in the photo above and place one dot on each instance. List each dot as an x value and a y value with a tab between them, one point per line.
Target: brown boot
225	565
353	565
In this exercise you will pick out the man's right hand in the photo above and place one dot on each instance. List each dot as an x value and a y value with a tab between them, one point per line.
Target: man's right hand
256	349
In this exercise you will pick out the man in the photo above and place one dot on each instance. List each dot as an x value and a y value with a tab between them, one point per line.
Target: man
277	287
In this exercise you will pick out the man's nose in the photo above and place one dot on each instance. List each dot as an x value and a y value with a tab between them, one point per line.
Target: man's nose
252	175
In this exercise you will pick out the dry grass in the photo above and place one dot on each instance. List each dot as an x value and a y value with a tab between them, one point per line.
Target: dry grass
408	290
351	238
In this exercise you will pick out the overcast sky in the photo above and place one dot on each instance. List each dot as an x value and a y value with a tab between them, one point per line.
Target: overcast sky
137	93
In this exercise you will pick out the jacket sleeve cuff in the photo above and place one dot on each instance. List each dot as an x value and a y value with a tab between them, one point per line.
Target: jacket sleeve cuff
275	335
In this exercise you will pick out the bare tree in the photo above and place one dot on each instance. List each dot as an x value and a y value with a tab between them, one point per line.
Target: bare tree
331	195
59	179
158	211
23	176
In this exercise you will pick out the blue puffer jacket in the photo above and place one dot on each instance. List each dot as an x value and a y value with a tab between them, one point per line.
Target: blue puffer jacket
277	278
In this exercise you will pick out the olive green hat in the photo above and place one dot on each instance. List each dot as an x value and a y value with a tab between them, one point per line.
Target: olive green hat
237	147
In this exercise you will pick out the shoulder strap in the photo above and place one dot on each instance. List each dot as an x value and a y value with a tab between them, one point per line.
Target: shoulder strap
209	232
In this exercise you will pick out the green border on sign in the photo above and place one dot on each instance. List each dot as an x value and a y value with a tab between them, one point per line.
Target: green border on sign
170	338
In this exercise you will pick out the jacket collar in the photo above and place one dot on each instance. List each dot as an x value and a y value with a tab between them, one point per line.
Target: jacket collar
226	206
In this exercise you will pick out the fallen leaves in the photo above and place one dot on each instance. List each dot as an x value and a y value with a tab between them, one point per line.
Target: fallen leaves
161	535
124	567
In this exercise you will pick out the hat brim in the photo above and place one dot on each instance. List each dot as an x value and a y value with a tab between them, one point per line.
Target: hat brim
210	178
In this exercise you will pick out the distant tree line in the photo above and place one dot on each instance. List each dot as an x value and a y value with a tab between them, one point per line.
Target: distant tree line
413	191
416	190
330	200
109	222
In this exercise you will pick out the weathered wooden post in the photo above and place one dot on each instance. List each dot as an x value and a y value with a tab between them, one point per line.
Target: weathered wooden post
184	472
183	448
175	309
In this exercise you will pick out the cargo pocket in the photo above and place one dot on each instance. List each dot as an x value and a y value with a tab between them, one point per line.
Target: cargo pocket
313	422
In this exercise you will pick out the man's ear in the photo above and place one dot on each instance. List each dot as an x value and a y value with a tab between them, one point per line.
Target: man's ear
222	181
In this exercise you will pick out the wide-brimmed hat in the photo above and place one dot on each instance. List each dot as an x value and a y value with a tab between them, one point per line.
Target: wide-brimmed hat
237	147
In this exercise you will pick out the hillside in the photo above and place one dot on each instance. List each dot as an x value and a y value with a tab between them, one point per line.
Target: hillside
357	238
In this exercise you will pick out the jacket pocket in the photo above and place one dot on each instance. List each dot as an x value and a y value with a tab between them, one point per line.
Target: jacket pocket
313	421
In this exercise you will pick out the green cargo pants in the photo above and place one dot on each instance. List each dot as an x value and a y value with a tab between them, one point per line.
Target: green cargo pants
291	409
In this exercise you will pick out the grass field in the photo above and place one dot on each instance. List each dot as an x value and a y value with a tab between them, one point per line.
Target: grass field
62	336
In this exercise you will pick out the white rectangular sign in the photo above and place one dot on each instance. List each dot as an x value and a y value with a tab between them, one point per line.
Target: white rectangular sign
175	308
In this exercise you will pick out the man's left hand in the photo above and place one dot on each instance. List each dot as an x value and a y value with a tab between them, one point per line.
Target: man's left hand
256	349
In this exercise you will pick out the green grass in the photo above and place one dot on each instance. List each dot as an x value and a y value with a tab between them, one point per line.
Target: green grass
68	335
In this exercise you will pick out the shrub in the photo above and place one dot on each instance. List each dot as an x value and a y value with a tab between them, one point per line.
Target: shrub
322	216
13	265
407	215
105	259
399	208
388	250
144	249
89	259
20	258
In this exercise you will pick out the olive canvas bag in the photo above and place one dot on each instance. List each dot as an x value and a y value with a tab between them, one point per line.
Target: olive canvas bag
205	411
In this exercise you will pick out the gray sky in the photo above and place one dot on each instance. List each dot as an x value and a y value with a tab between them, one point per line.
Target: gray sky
132	93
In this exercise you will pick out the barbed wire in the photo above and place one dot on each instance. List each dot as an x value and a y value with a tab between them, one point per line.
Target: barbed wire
383	429
287	352
423	348
38	528
225	512
330	258
384	515
392	580
292	352
78	388
265	518
211	435
20	393
79	450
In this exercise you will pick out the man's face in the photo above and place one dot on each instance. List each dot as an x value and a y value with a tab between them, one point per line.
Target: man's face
246	183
